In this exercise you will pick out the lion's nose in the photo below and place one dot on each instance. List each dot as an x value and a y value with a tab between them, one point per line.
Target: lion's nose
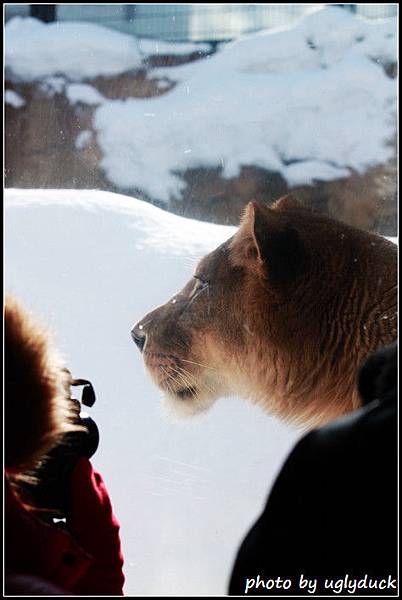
139	337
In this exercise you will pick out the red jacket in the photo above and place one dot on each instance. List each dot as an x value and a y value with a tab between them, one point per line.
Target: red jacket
42	559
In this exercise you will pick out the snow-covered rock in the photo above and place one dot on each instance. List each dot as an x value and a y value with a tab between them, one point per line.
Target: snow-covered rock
315	95
310	105
76	50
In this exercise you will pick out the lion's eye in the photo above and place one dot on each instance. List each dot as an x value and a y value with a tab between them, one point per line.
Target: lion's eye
200	285
201	279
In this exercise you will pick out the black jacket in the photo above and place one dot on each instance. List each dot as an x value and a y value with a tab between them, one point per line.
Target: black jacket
332	511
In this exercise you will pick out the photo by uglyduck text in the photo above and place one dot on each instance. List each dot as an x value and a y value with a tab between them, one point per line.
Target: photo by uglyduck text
311	585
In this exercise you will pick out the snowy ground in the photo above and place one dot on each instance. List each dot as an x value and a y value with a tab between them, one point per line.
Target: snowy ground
311	102
90	264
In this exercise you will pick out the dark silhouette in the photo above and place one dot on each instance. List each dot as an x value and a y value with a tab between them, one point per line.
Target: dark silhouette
332	511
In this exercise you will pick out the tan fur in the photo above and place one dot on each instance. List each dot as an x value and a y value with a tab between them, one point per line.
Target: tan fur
294	304
37	406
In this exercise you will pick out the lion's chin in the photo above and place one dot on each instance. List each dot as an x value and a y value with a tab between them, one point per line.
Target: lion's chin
186	404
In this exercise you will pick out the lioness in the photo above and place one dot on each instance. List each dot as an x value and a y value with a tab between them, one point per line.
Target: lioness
283	313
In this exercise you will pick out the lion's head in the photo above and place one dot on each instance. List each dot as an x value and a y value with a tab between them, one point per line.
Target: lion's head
281	313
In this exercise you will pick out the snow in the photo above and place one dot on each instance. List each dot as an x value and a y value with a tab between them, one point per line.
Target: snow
310	170
53	85
90	264
11	97
84	93
151	47
314	96
83	139
34	50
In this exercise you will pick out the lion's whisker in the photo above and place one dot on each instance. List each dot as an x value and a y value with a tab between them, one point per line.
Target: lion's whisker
169	376
197	382
181	376
178	378
190	379
198	364
185	380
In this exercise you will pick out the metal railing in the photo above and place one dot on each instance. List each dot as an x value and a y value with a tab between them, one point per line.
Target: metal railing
193	22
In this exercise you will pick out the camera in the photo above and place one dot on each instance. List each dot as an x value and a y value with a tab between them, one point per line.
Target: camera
47	486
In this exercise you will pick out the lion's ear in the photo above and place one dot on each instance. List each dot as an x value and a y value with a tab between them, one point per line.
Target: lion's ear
268	244
288	202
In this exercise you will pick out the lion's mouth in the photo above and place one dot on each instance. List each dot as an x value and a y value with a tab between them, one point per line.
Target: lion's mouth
185	393
173	379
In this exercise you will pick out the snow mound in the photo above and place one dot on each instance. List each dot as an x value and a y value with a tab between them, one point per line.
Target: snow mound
315	95
11	97
154	228
90	264
34	50
84	93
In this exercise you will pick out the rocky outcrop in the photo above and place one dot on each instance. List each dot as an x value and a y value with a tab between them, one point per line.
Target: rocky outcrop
51	143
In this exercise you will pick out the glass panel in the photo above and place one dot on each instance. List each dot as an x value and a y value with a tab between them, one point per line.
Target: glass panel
135	136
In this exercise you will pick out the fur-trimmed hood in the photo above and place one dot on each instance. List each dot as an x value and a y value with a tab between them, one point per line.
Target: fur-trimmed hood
37	405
